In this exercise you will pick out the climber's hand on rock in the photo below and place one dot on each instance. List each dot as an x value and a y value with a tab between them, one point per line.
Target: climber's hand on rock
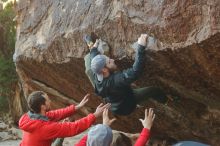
142	40
96	43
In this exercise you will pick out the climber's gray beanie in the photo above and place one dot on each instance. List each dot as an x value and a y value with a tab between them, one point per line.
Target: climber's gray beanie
97	64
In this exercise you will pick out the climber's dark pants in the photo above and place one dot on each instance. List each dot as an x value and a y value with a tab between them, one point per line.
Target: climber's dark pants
141	94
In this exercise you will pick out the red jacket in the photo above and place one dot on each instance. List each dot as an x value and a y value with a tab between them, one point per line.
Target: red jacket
143	138
141	141
39	132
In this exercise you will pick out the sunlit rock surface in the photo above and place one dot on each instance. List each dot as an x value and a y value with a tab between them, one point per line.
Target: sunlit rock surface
49	56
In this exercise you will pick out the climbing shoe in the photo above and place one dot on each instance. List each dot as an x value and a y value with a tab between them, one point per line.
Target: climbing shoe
88	39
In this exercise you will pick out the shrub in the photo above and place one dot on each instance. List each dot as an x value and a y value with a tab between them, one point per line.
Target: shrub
7	69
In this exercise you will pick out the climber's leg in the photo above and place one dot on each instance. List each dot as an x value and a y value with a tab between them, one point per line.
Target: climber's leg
143	94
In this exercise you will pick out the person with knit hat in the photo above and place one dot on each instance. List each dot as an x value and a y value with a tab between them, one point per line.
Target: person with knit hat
101	134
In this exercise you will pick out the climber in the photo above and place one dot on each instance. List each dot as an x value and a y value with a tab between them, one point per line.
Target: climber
101	134
115	87
40	126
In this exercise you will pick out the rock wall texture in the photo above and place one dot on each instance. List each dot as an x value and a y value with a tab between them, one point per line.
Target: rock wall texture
49	56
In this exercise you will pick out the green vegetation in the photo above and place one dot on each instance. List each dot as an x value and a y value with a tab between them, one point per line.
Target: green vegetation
7	44
7	26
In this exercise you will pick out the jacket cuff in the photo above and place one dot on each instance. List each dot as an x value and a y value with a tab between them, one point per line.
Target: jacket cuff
92	117
145	131
93	48
73	108
141	48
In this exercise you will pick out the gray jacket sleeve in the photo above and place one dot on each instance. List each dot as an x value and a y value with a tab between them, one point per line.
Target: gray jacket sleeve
126	77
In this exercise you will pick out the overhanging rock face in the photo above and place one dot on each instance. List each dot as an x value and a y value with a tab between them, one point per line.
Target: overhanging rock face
49	56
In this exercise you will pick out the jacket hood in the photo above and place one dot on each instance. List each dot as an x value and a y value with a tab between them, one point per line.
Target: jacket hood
29	122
